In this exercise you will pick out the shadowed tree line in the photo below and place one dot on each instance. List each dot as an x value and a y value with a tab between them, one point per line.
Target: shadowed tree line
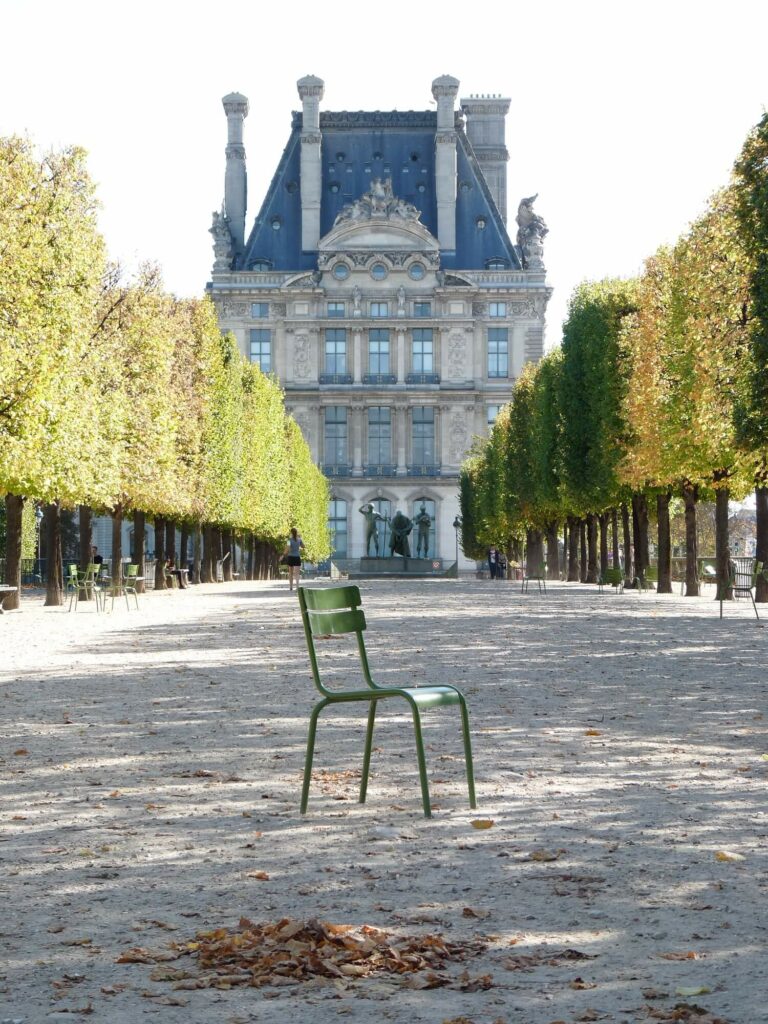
117	398
658	394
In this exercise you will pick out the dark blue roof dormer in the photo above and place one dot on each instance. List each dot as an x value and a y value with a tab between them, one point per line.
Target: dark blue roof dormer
357	147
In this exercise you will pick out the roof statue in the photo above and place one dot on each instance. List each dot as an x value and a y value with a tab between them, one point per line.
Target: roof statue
222	241
379	203
531	230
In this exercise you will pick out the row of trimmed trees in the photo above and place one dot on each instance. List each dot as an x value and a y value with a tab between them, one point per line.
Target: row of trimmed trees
659	391
121	399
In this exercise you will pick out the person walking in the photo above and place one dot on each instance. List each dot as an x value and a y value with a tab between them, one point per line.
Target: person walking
292	557
493	562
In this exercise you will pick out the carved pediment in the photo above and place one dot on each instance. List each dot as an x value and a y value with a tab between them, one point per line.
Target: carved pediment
379	220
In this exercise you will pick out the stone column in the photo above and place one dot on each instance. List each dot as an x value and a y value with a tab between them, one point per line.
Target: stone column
401	427
400	344
445	90
311	92
357	439
235	183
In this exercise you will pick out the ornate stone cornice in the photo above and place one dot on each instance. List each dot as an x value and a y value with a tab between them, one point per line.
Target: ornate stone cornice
311	138
235	151
446	138
485	153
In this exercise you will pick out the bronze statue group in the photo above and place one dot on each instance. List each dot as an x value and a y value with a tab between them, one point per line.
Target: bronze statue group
400	527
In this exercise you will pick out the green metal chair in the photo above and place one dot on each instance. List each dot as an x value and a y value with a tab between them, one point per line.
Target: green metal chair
130	579
86	581
648	580
336	610
612	577
742	580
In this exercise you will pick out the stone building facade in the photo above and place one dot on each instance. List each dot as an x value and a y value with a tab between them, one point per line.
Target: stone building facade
379	283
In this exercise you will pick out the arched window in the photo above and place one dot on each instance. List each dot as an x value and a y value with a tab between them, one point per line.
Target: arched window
430	509
497	263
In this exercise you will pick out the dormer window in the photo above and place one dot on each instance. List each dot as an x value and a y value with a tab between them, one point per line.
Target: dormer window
497	264
260	264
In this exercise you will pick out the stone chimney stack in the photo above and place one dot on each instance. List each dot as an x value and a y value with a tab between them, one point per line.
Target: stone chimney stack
485	131
235	182
311	91
445	90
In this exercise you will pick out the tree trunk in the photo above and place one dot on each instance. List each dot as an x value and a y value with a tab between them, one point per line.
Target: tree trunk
640	533
218	552
690	495
196	554
564	566
591	548
14	508
603	521
553	552
184	546
170	541
54	581
583	566
85	528
139	546
117	544
761	552
235	559
250	570
664	585
722	548
534	552
226	544
206	570
159	553
629	569
615	538
573	550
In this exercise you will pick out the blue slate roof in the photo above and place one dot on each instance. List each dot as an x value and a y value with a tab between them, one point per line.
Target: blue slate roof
358	147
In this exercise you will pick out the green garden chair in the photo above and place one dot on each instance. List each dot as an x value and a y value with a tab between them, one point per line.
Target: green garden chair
613	578
649	579
336	610
742	580
130	579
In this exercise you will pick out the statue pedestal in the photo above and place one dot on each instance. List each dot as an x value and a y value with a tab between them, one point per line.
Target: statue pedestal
399	566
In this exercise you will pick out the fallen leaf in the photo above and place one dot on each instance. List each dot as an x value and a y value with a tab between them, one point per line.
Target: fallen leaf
592	732
579	983
690	955
700	990
261	875
727	855
481	823
21	752
471	912
545	855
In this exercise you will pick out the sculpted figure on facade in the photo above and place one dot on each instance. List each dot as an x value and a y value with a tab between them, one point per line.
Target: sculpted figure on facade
401	301
222	241
457	437
301	362
456	357
531	231
378	203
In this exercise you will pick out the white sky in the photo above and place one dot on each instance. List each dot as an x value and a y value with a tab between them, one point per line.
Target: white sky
624	116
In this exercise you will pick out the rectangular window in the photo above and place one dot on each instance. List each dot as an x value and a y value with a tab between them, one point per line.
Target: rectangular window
335	310
337	525
378	350
422	309
335	435
497	309
493	412
498	352
259	310
379	309
261	349
423	453
336	350
422	361
379	435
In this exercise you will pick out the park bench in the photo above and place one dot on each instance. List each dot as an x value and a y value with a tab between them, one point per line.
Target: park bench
331	611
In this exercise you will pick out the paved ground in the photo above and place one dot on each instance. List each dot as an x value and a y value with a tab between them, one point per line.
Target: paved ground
151	766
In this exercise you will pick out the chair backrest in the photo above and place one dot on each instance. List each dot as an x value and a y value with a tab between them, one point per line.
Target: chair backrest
332	610
613	577
72	573
744	573
131	571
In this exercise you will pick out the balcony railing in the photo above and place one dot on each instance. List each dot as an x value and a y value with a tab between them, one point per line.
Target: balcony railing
379	470
337	470
335	378
431	470
379	378
422	378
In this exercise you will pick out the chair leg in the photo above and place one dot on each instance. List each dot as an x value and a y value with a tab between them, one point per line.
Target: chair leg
754	606
468	753
367	754
422	761
310	754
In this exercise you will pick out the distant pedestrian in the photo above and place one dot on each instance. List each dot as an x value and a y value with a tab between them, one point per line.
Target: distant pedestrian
493	562
292	557
97	558
501	571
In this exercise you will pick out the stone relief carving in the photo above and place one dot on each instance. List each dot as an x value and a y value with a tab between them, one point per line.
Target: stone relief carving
303	422
458	438
228	308
457	350
531	231
301	357
479	309
522	309
278	309
379	203
222	241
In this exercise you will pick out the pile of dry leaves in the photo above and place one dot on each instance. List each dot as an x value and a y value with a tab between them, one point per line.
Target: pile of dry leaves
290	951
